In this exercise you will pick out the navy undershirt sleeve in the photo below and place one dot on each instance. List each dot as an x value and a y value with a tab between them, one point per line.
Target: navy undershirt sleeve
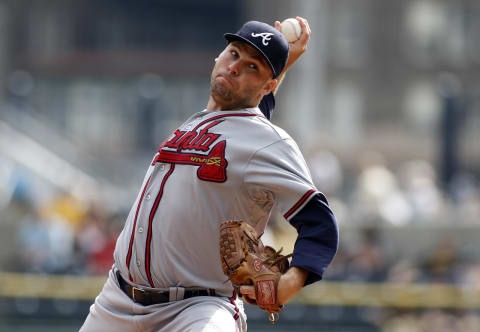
267	105
317	241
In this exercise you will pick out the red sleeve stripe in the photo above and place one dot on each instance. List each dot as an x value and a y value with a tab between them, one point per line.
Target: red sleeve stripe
298	204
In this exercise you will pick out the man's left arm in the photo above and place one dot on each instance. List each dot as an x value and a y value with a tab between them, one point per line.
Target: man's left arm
280	169
315	247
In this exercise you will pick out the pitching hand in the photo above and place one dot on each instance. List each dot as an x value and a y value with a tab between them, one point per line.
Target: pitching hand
298	47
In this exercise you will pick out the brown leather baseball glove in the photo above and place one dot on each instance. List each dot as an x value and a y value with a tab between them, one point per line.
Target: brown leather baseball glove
246	261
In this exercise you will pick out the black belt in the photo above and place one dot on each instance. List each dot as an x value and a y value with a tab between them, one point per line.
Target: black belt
148	297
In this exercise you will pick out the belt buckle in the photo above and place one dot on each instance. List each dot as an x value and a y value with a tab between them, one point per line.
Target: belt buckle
135	290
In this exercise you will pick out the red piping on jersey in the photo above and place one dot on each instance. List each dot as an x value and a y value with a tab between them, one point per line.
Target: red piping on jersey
150	224
130	246
232	300
222	116
298	204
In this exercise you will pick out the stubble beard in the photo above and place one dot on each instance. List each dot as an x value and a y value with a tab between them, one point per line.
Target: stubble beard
226	98
219	91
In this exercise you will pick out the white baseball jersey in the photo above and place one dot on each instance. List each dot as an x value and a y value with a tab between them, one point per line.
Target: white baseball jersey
217	166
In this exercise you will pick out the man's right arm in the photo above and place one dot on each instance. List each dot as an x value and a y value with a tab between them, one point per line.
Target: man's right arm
267	104
297	48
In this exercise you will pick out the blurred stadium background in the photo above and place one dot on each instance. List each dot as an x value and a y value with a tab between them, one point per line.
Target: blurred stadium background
385	105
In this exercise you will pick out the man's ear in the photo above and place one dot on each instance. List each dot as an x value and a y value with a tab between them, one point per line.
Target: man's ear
270	85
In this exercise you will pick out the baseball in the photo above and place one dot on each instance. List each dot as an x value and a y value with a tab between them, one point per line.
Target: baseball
291	29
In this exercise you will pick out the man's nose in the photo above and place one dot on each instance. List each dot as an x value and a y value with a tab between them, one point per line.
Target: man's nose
233	68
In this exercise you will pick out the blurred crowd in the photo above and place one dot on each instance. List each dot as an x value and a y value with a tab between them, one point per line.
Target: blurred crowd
63	236
412	192
448	262
410	196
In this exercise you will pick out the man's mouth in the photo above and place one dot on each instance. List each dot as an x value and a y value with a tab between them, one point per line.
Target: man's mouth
226	79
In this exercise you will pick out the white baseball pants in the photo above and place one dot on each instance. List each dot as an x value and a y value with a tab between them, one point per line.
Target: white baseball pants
113	311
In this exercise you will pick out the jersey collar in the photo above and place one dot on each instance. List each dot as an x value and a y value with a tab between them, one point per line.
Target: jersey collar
250	110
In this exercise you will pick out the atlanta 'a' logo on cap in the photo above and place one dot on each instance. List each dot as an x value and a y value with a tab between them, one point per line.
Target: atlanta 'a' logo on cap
266	36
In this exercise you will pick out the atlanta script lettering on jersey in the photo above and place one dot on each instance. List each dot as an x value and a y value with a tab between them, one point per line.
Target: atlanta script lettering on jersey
191	140
212	167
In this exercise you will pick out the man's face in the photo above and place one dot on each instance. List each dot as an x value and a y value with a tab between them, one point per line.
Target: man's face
241	77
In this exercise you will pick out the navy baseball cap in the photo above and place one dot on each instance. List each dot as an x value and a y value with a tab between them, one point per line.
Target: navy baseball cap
267	40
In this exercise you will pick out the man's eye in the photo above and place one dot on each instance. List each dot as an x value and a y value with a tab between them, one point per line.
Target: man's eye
234	53
253	66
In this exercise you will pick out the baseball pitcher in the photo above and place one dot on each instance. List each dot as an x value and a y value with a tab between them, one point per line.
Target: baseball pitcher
190	250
